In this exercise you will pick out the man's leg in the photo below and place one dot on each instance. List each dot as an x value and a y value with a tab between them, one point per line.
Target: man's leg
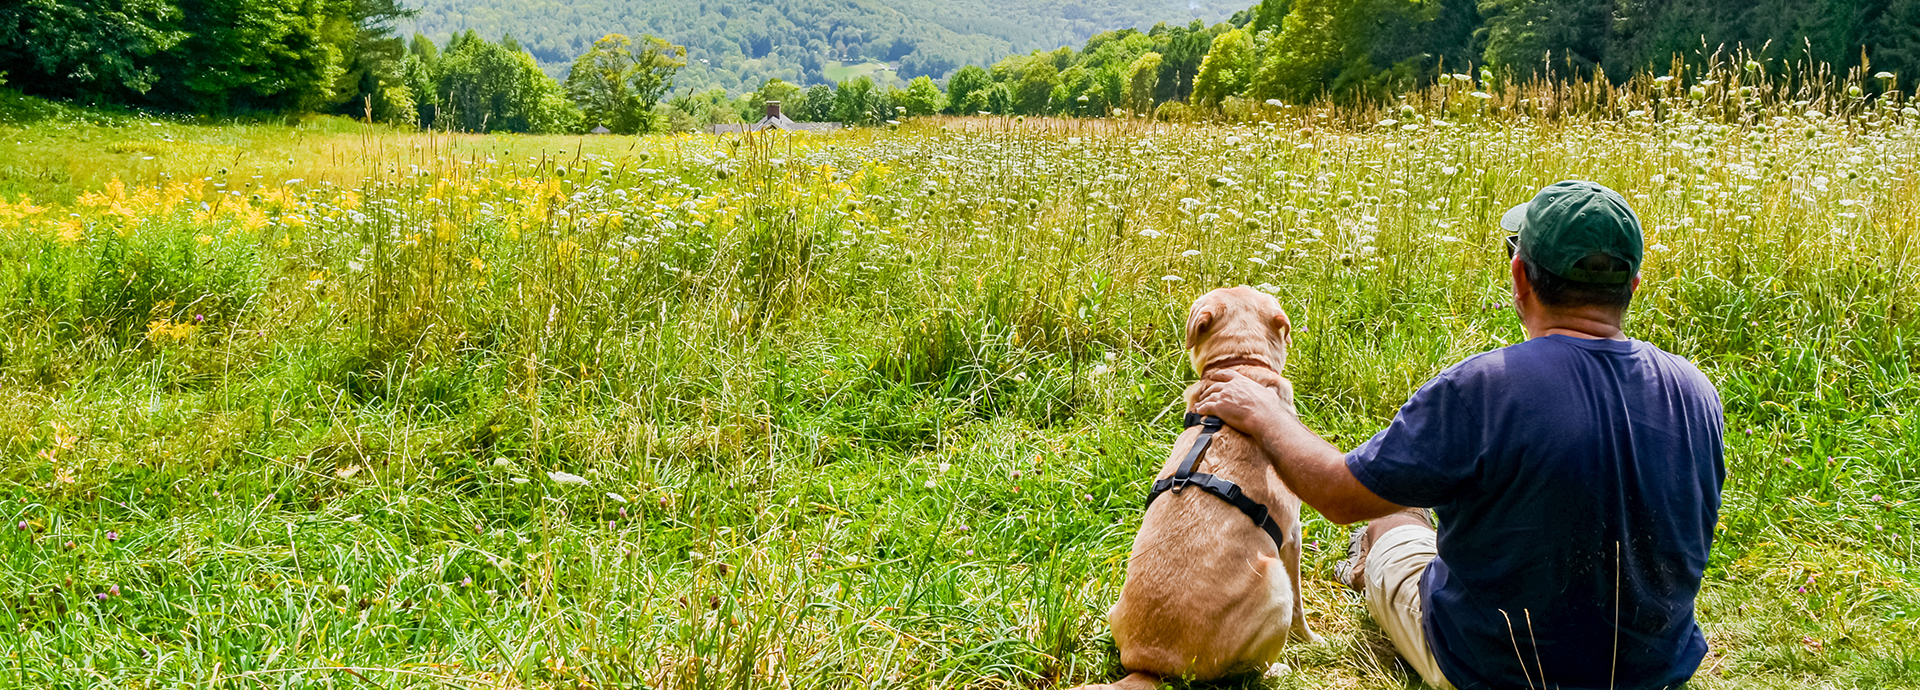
1395	552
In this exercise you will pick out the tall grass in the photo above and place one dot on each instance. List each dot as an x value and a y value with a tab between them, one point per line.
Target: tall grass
874	409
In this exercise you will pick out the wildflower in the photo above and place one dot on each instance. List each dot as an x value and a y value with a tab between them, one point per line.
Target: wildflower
113	536
466	581
1168	278
101	596
1190	252
929	483
114	590
567	478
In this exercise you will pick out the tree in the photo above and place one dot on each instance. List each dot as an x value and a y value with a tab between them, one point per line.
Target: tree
1181	52
1036	83
1227	69
248	55
775	90
1897	34
85	48
817	105
856	103
617	88
1521	35
1303	60
963	84
489	88
1142	76
998	99
1270	15
371	75
923	97
418	71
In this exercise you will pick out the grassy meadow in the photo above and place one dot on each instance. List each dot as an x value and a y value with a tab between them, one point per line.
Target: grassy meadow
317	404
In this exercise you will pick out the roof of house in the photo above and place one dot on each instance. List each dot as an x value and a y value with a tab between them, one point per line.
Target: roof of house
779	122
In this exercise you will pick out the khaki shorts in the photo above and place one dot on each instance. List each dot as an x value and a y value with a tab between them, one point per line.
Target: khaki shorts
1394	566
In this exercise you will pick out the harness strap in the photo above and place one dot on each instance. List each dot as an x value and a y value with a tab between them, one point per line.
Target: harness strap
1184	476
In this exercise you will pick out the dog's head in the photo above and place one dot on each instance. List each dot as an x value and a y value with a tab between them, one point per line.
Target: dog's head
1238	323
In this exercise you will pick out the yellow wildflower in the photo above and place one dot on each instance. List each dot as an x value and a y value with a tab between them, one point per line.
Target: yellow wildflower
10	214
164	331
71	231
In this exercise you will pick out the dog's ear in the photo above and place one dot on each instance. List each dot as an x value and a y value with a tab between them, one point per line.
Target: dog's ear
1198	324
1283	326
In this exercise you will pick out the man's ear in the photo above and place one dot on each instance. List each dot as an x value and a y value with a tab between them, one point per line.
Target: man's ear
1197	325
1521	288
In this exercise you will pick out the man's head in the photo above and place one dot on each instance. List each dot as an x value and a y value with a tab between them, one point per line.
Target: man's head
1576	246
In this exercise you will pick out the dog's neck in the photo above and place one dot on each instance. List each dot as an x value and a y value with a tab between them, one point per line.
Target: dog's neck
1236	361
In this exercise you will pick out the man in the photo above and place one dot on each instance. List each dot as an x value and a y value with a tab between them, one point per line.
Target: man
1576	477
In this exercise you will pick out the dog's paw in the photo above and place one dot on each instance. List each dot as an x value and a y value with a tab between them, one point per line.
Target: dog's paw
1278	669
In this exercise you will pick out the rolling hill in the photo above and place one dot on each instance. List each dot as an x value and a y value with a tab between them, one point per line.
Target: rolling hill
737	44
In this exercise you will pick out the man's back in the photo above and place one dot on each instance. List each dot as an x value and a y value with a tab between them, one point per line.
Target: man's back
1577	484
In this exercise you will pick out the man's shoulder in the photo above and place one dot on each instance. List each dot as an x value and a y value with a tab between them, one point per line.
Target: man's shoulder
1548	359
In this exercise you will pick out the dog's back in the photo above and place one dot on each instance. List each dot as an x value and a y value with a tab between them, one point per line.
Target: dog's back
1207	593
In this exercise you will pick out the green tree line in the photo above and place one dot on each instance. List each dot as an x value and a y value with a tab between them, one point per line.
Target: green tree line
1295	50
220	56
738	45
236	56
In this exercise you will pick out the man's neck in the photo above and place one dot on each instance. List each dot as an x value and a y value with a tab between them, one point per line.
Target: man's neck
1589	323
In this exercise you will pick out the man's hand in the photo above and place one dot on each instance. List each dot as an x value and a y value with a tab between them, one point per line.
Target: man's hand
1312	468
1238	401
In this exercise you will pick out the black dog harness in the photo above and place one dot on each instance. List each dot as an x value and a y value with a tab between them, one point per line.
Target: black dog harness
1226	490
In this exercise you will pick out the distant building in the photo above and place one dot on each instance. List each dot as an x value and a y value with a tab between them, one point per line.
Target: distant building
602	129
775	120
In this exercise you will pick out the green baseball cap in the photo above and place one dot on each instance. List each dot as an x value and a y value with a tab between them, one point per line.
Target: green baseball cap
1572	220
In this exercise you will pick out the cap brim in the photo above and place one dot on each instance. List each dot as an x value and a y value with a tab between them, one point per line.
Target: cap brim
1514	219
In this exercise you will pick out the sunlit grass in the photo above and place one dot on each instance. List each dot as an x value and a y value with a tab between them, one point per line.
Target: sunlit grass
870	409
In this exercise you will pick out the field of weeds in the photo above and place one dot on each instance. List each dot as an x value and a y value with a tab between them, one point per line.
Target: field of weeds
321	405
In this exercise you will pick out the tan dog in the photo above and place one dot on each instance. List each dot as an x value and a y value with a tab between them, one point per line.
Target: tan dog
1207	594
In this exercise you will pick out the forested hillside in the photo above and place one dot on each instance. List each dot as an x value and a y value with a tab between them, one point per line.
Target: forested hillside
739	44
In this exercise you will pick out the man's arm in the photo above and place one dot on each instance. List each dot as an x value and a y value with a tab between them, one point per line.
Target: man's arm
1311	467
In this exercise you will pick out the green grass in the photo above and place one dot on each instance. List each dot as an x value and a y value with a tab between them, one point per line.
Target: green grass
841	72
875	409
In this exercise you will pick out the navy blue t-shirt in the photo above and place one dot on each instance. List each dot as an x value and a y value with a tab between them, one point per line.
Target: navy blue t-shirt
1577	483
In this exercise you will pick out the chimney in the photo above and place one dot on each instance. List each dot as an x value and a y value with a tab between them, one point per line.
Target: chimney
773	110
